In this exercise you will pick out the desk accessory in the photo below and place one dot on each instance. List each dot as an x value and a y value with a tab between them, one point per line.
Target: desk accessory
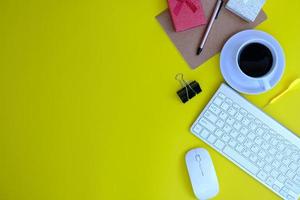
248	83
187	41
188	90
246	9
252	140
186	14
209	26
202	173
293	86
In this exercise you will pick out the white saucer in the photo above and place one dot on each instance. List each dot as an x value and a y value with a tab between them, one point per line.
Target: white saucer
229	67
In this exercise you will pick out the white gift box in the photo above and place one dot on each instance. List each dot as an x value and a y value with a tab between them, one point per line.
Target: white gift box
246	9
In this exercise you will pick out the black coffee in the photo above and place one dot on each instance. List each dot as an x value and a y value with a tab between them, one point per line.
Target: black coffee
255	60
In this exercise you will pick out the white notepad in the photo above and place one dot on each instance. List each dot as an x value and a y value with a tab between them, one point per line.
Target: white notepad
246	9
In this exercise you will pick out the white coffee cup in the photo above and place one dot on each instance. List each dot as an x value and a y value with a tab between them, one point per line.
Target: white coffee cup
264	80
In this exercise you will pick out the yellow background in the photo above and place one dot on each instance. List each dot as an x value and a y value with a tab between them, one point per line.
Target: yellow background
88	107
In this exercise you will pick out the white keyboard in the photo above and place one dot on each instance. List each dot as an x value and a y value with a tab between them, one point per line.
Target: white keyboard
252	140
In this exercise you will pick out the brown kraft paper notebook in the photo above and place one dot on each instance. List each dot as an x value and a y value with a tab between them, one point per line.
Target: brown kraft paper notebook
224	27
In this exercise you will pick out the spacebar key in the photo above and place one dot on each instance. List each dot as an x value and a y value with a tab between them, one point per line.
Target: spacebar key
240	160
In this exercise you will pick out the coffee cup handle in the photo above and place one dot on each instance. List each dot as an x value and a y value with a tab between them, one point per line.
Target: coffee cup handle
266	84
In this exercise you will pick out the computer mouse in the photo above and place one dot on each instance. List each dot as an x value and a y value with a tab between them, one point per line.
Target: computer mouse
202	173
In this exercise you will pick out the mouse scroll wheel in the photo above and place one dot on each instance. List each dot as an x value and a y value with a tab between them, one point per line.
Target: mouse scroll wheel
198	158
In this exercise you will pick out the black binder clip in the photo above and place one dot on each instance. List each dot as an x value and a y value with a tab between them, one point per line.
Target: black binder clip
188	90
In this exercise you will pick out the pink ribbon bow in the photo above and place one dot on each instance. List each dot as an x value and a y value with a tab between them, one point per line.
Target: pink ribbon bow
189	3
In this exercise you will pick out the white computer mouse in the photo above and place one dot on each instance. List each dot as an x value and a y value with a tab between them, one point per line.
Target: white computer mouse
202	173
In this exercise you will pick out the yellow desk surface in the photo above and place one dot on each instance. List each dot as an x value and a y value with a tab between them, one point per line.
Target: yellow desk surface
88	107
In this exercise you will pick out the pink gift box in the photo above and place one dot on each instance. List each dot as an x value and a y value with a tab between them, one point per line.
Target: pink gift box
186	14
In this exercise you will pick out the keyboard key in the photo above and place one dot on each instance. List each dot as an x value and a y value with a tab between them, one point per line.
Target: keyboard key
236	106
223	115
286	161
274	141
218	101
251	136
261	163
252	126
258	141
197	128
221	95
214	109
225	106
204	134
276	187
244	130
275	163
283	169
251	117
296	179
227	128
272	133
293	166
243	112
255	148
232	111
290	174
285	189
279	137
291	197
205	123
229	101
220	123
283	193
269	159
295	157
240	159
279	156
237	125
268	168
245	121
241	138
265	146
253	158
287	152
270	181
293	148
239	116
234	133
262	175
258	122
248	143
274	173
211	139
211	117
230	121
272	151
232	143
239	148
262	153
266	136
246	153
281	147
225	138
219	144
281	178
259	131
219	133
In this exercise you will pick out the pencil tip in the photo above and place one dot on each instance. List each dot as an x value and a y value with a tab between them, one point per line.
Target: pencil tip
199	50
